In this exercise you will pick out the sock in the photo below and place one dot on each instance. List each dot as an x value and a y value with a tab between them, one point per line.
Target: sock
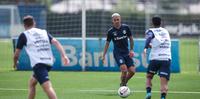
123	79
148	89
148	95
163	95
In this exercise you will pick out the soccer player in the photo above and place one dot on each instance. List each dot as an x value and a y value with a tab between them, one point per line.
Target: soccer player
37	43
119	34
158	39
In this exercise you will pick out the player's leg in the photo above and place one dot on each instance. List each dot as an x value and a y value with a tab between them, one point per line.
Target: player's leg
32	88
151	71
164	74
131	68
48	89
124	70
131	72
164	87
47	86
41	74
149	78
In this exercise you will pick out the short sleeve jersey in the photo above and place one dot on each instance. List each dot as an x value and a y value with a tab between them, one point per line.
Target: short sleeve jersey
22	40
119	38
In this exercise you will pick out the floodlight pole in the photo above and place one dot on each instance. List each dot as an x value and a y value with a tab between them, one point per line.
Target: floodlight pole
83	34
147	15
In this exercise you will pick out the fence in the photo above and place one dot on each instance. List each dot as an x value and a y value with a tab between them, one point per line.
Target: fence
64	19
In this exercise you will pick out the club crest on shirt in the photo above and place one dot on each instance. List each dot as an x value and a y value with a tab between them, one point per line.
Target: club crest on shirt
124	31
115	33
120	61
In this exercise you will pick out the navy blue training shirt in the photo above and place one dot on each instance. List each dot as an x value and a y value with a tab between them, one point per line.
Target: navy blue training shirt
22	40
119	38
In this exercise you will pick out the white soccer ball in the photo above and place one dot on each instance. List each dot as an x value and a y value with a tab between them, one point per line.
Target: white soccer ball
124	91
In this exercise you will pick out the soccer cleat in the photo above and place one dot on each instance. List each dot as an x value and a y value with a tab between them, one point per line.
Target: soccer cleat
148	96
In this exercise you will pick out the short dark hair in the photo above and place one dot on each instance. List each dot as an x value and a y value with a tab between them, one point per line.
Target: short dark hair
156	21
28	20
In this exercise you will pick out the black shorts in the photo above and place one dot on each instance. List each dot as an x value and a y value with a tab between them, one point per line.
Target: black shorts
123	59
162	67
40	72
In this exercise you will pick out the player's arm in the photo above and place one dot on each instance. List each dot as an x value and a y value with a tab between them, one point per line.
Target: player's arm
131	52
65	59
15	58
149	37
106	48
109	37
20	43
131	43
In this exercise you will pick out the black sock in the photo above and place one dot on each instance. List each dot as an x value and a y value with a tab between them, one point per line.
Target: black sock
163	95
148	89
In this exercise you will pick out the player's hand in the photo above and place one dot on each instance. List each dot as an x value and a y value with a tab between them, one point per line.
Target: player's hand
150	46
15	65
144	58
65	60
144	52
131	54
103	59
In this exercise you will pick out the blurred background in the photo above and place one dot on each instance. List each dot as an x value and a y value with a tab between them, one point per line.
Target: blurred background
63	18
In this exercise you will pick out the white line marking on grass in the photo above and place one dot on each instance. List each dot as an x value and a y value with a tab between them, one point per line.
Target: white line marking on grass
101	90
5	40
140	77
12	89
142	91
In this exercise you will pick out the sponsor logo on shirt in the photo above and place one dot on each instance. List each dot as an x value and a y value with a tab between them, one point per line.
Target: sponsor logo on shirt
124	31
119	38
115	33
120	61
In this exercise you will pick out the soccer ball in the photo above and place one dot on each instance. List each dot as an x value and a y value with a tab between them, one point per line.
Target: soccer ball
124	91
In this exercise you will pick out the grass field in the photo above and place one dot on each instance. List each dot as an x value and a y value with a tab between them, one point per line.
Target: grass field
101	85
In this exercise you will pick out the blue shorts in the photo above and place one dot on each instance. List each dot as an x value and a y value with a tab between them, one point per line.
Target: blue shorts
160	66
123	59
40	72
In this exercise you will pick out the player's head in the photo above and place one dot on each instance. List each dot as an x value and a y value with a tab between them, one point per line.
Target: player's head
116	20
156	21
28	21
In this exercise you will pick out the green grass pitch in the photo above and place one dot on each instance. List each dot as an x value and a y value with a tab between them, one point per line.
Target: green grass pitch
101	85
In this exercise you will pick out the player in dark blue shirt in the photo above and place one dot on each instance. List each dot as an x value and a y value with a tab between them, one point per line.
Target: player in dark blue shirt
119	34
